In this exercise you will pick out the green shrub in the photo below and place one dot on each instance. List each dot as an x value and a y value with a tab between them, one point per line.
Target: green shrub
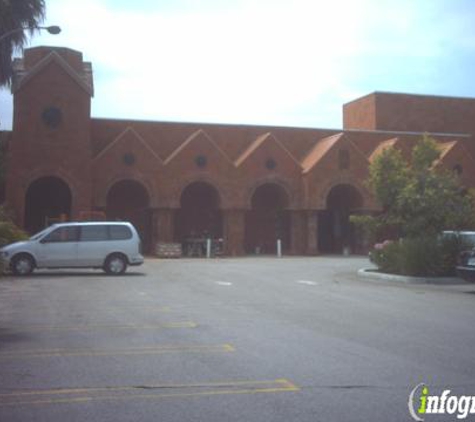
423	256
9	232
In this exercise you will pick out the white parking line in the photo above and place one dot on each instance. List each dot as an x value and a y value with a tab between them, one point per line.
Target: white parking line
307	282
224	283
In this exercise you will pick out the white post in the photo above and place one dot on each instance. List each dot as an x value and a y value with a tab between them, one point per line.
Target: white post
279	248
208	248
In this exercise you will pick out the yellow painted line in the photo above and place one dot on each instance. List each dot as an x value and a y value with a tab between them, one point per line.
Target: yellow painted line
102	311
98	309
81	395
222	384
105	310
145	308
152	350
35	328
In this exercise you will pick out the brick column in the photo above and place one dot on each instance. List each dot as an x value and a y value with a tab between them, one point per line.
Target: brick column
163	224
15	200
233	232
312	232
298	232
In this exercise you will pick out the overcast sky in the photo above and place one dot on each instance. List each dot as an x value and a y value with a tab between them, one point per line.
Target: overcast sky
276	62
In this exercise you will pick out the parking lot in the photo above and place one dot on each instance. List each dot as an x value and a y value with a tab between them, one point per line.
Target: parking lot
245	339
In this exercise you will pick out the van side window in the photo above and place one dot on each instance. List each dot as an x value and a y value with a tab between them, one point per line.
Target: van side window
118	232
94	233
62	234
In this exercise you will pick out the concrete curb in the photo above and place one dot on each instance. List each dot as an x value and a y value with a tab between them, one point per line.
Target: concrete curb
373	274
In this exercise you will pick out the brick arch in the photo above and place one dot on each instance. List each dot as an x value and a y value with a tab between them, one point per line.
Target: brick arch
78	196
47	198
51	172
102	189
321	202
268	218
175	199
291	197
130	199
199	213
336	202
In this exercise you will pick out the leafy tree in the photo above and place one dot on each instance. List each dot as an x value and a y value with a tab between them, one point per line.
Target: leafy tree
417	199
15	14
388	175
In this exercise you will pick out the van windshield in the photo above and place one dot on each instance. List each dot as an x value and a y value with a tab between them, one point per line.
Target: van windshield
40	234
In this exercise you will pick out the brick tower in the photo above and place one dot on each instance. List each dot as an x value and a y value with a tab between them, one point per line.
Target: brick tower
49	157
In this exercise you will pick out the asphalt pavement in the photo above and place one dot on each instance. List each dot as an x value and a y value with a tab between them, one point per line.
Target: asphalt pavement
246	339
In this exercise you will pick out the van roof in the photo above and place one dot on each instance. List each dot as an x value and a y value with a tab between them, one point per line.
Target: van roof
91	223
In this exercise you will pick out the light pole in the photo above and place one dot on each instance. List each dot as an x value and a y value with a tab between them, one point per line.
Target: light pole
53	29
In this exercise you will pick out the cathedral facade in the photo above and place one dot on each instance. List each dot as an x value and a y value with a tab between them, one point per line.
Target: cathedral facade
247	185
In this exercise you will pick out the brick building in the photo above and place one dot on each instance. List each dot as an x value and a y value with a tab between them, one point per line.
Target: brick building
246	184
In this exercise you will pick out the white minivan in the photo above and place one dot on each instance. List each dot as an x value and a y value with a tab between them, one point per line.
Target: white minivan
108	245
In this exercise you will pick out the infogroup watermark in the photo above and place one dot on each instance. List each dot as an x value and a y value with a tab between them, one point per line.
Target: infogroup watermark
422	403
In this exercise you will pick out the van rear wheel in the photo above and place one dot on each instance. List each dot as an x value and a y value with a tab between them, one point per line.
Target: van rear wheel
115	264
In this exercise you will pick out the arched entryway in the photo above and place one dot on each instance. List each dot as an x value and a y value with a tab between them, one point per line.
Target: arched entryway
48	199
199	216
128	200
335	232
268	220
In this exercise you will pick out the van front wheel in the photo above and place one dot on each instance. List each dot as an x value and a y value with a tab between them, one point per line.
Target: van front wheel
115	264
22	264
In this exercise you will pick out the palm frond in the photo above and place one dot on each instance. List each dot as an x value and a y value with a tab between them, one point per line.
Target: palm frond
14	14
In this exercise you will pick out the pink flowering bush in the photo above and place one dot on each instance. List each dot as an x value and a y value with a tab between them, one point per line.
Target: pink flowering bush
381	246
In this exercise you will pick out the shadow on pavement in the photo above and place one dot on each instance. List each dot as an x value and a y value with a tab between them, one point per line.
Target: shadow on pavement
72	273
9	336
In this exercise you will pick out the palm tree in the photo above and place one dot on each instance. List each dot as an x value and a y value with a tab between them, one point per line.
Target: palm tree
16	14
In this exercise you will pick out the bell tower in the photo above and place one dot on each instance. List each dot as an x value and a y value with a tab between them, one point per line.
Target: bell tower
49	155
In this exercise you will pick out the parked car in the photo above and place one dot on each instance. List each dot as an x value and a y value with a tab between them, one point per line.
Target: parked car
466	265
108	245
467	237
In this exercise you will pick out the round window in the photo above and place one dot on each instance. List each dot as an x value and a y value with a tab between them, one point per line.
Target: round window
52	117
271	164
128	159
201	161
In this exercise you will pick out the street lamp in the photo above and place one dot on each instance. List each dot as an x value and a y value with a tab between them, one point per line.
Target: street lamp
53	29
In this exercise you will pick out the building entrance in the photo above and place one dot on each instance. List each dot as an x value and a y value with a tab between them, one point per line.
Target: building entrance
268	220
48	200
335	232
128	200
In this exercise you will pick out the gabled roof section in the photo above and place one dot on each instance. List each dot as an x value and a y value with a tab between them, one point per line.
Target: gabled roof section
198	136
122	137
319	150
324	146
450	148
383	146
403	145
444	149
23	76
259	142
